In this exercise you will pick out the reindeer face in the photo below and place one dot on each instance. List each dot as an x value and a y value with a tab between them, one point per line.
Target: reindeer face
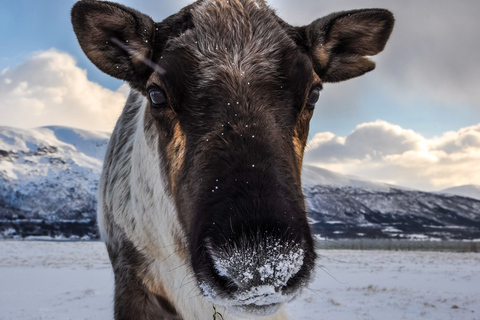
231	89
233	122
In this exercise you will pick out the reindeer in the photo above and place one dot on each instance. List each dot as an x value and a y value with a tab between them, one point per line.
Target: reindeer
200	199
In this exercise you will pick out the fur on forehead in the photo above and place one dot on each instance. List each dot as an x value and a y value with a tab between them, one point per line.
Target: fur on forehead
233	31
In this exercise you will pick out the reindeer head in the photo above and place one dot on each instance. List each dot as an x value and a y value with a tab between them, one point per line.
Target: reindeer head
231	89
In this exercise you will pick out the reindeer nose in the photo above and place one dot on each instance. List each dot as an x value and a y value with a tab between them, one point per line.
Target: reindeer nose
272	263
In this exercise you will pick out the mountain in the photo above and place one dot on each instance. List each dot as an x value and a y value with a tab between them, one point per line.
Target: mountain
48	180
313	176
469	191
348	207
49	177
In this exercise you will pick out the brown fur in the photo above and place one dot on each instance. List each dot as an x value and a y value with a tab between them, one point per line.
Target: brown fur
137	296
228	141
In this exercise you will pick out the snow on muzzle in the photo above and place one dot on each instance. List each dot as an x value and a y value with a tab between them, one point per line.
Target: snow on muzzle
260	278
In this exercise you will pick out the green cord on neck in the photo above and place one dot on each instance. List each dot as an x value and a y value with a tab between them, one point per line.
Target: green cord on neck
215	314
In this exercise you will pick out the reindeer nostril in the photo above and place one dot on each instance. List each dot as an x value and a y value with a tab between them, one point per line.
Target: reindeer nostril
272	263
226	283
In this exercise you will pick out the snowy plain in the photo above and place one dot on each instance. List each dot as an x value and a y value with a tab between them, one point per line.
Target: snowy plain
73	280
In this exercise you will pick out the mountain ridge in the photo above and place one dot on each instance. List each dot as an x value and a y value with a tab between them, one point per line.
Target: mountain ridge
49	177
468	191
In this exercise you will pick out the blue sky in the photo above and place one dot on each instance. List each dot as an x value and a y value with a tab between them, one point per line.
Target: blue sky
30	26
426	80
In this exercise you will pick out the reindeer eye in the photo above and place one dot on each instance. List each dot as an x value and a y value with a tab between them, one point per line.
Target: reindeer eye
313	97
157	97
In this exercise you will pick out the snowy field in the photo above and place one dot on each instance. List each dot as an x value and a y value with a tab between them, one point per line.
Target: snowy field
65	280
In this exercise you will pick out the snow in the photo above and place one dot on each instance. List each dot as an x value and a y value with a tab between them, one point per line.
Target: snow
392	285
312	176
69	140
273	264
90	143
55	280
469	191
50	172
50	175
73	280
379	213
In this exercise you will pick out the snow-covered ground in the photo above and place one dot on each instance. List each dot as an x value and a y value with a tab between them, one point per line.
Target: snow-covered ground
66	280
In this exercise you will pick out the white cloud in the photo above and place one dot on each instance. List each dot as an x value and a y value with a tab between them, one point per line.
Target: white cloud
431	54
49	89
385	152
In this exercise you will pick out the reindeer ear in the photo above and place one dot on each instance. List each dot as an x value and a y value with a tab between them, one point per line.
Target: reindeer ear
340	43
117	39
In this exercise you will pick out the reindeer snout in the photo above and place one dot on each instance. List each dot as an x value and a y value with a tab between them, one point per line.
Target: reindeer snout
253	256
273	263
253	250
261	274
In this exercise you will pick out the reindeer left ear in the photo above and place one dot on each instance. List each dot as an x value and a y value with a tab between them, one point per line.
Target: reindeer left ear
117	39
341	42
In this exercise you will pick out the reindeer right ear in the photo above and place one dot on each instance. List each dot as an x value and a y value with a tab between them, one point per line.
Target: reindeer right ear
341	43
117	39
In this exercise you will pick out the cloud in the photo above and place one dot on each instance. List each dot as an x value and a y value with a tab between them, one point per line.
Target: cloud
385	152
432	51
49	89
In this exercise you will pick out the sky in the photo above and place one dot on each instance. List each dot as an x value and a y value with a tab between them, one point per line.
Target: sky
414	121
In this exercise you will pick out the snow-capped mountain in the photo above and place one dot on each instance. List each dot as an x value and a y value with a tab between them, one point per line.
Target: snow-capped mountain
313	176
49	176
469	191
48	180
348	207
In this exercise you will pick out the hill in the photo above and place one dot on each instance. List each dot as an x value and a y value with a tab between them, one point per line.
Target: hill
468	191
49	177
